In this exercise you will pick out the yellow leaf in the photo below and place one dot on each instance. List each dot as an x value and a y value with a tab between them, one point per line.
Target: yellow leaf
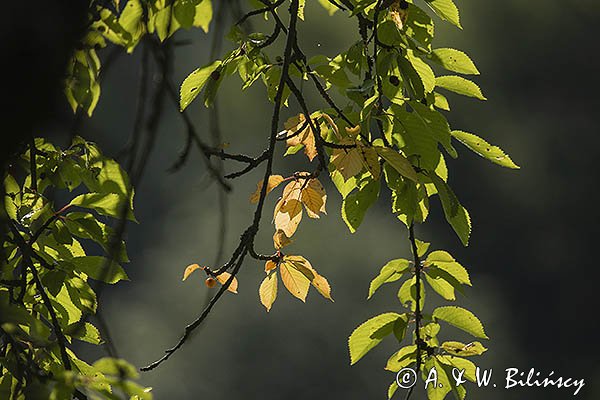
353	132
190	268
224	277
270	265
295	281
314	198
294	127
274	181
318	281
288	215
268	290
280	239
293	190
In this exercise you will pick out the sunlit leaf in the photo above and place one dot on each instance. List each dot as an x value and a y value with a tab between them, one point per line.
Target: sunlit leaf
274	181
464	350
268	290
188	271
462	319
460	85
492	153
193	84
369	334
224	277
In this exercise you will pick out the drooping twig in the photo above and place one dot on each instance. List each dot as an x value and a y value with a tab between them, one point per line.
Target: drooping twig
247	240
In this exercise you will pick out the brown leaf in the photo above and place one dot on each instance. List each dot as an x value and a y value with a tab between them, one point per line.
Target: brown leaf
274	181
280	239
270	265
348	161
314	198
304	136
268	290
190	268
224	277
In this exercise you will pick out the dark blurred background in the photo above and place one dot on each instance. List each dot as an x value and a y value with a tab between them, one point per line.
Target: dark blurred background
531	255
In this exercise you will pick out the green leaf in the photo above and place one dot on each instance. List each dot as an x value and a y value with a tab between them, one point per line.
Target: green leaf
402	358
425	72
390	272
95	267
446	10
193	84
411	78
440	285
116	367
407	294
464	350
369	334
110	204
436	125
447	263
460	85
422	247
185	11
454	60
442	386
462	319
355	205
84	225
328	6
84	331
462	364
456	215
419	26
397	161
479	146
203	15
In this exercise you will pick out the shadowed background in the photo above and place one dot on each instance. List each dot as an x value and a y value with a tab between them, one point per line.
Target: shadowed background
531	253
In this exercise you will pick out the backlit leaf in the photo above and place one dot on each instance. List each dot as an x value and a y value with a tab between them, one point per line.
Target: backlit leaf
460	85
464	350
274	181
398	162
224	277
193	84
280	240
268	290
453	60
188	271
314	198
462	319
492	153
369	334
294	281
390	272
446	9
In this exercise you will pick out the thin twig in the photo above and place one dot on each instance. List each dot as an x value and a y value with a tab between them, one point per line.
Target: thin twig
247	240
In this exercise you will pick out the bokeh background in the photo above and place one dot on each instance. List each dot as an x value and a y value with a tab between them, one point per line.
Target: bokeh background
532	252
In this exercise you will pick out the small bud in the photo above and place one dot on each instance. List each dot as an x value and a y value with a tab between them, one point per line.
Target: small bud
210	282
